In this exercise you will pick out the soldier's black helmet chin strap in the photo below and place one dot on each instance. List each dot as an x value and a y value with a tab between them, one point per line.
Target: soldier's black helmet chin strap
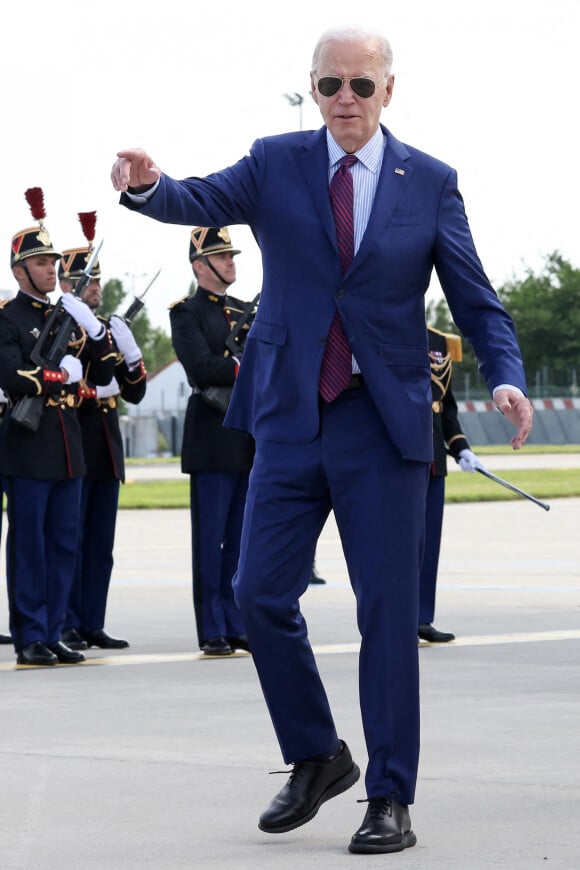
216	273
29	276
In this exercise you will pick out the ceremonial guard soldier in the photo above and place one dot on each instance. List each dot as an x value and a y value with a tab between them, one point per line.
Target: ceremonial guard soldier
448	438
104	459
41	460
217	459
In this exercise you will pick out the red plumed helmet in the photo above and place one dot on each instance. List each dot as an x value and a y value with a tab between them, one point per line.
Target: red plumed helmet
74	260
35	199
32	241
88	221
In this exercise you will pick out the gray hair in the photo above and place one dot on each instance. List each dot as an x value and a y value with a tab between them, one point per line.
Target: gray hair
352	33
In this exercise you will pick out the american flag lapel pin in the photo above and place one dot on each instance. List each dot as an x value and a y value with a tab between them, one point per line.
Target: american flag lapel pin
399	171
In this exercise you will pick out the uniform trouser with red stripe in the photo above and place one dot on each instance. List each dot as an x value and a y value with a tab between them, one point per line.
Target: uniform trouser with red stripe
41	546
430	566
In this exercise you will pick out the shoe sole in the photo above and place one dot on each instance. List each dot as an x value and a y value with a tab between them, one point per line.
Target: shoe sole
424	642
35	664
333	790
407	841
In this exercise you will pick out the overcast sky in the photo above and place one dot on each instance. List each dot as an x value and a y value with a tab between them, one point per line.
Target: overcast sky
489	87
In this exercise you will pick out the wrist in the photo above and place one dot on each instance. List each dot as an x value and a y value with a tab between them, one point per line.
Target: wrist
98	332
52	376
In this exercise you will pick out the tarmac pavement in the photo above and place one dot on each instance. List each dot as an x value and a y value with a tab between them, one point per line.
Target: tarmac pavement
154	757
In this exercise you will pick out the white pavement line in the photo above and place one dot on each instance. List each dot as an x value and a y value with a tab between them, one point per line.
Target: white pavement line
327	649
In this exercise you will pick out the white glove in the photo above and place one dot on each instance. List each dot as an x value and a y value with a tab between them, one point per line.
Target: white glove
83	315
111	389
468	461
124	340
73	367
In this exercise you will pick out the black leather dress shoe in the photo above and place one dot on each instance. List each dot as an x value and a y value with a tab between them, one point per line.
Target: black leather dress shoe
103	640
65	654
311	783
5	638
217	646
73	640
430	633
37	654
239	643
386	827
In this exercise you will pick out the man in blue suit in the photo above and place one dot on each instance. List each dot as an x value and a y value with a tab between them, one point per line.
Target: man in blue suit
363	453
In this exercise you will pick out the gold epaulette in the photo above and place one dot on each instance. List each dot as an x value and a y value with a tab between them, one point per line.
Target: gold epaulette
453	341
178	302
454	348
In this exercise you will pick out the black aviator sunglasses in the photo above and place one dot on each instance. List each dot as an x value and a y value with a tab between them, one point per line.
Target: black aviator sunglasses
328	86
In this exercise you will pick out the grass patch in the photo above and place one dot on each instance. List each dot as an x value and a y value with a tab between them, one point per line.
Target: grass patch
155	494
459	487
542	484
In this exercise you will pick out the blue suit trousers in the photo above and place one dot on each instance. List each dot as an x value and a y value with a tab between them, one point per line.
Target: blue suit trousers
378	499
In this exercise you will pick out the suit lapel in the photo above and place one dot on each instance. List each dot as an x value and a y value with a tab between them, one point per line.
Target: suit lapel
394	177
313	163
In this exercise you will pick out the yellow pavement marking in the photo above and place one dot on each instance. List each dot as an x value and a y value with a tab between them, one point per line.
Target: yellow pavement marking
473	640
326	649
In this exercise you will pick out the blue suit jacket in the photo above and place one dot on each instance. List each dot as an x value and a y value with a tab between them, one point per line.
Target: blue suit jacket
417	223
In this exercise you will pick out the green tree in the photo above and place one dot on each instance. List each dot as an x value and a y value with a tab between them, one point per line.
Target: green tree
155	344
546	311
111	297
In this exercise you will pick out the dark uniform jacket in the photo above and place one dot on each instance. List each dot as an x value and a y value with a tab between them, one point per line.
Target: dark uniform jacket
199	327
99	418
54	451
444	349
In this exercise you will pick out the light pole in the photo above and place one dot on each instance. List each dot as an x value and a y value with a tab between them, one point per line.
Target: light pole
296	99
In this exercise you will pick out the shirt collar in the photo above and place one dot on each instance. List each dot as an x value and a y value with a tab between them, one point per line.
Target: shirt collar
370	155
220	298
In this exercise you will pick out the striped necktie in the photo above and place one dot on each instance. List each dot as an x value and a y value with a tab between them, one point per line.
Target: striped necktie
336	369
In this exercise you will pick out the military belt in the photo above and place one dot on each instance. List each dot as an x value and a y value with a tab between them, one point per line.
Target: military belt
62	402
107	402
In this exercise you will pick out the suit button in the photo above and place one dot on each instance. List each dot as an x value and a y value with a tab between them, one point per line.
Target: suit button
322	341
340	294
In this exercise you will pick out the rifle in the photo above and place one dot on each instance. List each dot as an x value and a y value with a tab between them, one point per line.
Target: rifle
50	347
233	345
137	304
219	396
